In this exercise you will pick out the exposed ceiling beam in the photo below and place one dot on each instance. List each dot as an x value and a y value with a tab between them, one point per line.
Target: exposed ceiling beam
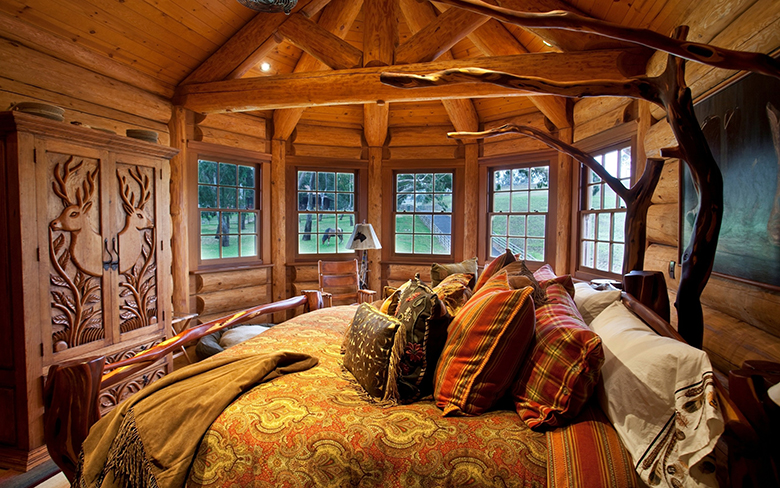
462	112
380	32
327	48
362	85
563	40
242	46
438	36
380	36
494	40
337	18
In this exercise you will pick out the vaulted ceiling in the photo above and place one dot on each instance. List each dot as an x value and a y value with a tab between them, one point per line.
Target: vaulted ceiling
323	60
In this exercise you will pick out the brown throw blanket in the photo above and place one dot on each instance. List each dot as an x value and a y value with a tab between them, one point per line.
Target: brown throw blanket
149	440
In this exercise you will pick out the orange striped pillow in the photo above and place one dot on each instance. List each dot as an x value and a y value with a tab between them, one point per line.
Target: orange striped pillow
486	344
494	267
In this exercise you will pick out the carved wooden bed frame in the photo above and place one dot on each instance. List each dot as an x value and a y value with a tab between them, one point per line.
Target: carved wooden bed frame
71	390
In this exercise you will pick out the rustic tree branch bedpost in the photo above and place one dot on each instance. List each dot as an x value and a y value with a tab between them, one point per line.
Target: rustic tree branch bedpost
668	91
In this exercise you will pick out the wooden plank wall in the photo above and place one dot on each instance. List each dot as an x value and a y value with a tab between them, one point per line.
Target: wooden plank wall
221	293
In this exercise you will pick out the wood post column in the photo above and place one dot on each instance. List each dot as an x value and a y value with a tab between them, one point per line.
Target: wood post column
279	222
375	216
563	226
471	201
180	262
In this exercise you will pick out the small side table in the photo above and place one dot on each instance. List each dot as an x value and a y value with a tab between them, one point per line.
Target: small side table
178	324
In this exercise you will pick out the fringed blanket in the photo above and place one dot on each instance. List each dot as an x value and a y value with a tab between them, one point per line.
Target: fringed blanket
149	440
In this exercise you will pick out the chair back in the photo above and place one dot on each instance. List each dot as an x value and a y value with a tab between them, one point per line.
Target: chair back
339	278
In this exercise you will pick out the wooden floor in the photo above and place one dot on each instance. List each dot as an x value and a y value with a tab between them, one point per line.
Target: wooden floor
31	479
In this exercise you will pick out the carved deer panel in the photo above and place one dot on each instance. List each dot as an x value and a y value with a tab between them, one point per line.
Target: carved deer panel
135	219
75	251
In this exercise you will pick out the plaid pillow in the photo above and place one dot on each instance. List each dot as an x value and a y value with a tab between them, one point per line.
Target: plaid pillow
486	344
546	276
493	267
454	291
563	367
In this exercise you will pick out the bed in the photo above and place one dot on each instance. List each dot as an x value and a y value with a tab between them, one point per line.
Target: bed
317	427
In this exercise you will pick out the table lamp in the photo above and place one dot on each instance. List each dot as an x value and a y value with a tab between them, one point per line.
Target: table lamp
363	237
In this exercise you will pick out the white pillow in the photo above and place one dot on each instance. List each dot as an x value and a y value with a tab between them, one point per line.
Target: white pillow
592	302
239	334
659	394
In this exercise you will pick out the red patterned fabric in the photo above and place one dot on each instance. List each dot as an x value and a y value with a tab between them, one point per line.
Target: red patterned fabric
588	453
546	276
563	368
315	429
493	267
485	346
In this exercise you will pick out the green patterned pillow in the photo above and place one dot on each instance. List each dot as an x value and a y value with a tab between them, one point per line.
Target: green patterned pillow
441	271
372	350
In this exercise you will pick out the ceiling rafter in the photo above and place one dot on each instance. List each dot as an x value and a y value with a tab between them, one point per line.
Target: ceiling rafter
362	85
319	43
380	36
242	47
438	36
462	112
336	18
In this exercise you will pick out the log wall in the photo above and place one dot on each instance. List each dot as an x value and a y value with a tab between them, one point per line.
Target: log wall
219	293
88	98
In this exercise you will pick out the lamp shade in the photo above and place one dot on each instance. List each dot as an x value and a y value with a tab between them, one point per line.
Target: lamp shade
363	237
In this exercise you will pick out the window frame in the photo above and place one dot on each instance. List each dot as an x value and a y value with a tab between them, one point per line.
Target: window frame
242	157
390	169
599	144
516	161
295	164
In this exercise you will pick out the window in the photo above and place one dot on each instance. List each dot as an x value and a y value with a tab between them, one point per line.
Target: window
228	203
326	211
423	213
518	211
602	213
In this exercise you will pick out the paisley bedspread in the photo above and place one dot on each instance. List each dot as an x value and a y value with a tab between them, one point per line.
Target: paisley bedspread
314	429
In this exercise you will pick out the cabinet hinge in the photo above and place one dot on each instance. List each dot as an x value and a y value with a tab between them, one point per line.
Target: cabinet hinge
35	156
162	245
38	253
41	349
163	314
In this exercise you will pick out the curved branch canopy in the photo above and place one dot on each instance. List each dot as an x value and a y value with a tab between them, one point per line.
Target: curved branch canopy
692	51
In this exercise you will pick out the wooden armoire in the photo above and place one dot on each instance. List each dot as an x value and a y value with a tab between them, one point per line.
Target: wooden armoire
84	263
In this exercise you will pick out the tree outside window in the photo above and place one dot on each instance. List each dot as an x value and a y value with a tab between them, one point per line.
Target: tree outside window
519	206
227	203
423	213
326	211
603	213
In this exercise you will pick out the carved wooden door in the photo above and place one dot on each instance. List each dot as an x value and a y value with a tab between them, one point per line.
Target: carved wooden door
73	237
135	227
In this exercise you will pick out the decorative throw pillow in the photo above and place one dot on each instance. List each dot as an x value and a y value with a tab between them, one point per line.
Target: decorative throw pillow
425	320
591	302
493	267
546	276
659	394
518	268
563	367
487	343
390	304
441	271
372	347
454	291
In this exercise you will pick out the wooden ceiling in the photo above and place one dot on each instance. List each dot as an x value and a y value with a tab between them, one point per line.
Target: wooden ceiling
168	43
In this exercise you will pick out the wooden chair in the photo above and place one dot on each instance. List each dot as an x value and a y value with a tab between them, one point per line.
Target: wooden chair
340	283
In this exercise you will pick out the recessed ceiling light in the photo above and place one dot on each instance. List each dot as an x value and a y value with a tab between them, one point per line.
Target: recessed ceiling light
265	66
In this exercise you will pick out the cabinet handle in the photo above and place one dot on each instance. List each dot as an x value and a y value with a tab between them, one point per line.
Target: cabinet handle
107	264
115	262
